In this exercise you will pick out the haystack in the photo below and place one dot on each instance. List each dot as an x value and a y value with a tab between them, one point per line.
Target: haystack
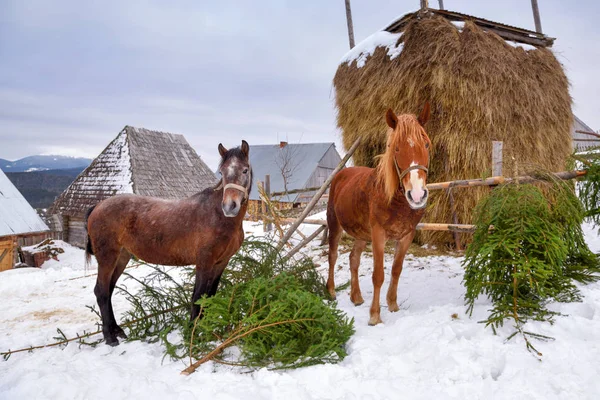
481	88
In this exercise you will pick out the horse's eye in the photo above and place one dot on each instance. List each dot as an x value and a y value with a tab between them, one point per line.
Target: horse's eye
245	171
426	145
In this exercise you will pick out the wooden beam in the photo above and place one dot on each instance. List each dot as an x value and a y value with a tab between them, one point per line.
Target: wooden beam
589	133
304	242
305	190
498	180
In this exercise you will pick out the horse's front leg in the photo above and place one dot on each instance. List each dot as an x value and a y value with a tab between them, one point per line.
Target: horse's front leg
401	249
207	281
378	239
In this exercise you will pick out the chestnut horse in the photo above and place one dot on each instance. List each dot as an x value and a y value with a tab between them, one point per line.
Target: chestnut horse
204	230
375	205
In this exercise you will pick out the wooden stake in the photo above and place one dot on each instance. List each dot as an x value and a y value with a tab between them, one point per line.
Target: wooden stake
350	25
305	241
497	158
269	226
536	16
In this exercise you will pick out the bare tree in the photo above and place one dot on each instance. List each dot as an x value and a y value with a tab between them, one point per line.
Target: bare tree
287	163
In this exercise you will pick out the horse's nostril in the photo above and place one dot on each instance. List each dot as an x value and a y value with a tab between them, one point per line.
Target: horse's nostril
233	205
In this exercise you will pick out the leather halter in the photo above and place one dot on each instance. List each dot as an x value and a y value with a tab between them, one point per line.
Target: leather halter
236	186
402	174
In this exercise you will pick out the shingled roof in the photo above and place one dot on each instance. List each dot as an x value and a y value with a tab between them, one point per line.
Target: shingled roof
17	217
139	161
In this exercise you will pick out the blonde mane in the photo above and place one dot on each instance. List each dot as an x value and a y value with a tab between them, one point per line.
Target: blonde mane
407	130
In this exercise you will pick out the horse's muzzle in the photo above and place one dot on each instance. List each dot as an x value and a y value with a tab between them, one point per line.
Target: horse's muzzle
422	201
231	208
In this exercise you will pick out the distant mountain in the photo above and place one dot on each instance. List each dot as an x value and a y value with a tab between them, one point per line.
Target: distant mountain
41	188
43	163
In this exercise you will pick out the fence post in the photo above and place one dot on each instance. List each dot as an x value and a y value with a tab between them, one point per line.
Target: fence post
269	225
496	158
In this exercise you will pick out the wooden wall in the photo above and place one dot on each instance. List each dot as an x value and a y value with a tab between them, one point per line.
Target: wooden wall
7	253
75	231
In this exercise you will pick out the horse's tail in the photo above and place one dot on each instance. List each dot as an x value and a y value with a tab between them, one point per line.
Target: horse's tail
89	251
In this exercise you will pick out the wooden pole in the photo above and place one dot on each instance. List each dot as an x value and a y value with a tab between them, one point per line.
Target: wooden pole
350	25
423	226
499	180
305	242
441	4
455	234
269	226
536	16
497	158
424	4
589	133
316	197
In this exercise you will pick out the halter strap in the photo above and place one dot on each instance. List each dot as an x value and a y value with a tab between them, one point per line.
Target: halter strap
407	170
236	186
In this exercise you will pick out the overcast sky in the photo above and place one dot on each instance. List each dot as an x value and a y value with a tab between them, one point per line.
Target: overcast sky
73	73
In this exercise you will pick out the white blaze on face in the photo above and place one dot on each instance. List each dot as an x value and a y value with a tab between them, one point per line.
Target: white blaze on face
417	192
231	169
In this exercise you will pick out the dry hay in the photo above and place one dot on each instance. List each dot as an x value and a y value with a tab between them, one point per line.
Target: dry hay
480	88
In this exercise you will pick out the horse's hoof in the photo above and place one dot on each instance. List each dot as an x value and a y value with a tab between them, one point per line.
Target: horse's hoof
112	342
357	301
120	333
375	320
393	307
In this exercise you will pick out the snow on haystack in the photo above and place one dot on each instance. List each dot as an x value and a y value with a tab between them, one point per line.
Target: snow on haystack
429	349
367	47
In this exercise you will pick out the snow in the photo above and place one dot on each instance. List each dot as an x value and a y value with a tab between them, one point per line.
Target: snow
420	352
16	215
524	46
367	47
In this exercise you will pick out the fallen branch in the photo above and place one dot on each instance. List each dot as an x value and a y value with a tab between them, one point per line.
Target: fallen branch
8	353
235	338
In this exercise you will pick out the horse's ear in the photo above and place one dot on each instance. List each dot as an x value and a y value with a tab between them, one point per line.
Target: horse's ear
245	147
222	150
391	118
425	113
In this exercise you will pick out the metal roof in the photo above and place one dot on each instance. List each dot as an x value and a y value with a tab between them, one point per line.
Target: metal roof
304	159
17	217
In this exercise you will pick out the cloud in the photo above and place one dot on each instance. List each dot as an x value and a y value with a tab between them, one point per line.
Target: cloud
74	73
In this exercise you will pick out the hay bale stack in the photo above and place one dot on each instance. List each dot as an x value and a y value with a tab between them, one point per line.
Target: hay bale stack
480	88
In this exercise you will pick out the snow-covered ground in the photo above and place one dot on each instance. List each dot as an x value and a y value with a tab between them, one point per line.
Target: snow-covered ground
420	352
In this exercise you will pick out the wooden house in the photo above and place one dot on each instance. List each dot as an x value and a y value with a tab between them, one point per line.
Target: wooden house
139	161
291	167
584	137
18	221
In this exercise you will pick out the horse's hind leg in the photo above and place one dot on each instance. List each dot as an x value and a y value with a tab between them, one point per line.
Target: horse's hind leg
120	266
107	262
355	295
335	233
401	249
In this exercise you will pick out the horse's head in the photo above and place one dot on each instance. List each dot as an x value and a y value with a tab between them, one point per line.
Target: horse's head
406	161
236	175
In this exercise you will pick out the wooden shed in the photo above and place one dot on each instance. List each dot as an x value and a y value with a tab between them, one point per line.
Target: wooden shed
139	161
291	167
18	220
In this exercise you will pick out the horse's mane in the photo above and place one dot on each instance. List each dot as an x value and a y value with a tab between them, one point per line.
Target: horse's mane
407	130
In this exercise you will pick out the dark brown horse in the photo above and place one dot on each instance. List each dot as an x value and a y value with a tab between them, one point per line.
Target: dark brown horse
204	230
376	205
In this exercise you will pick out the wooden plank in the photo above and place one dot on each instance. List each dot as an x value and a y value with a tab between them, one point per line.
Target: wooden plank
6	254
589	133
